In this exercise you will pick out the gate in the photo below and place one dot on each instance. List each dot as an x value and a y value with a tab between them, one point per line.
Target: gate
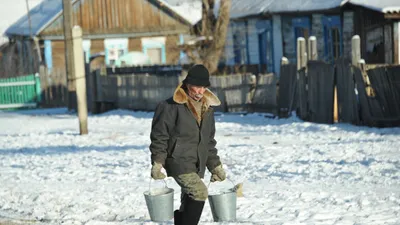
20	92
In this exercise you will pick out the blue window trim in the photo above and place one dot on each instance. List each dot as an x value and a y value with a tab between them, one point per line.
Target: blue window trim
48	54
246	24
300	22
156	45
265	26
119	46
236	48
237	34
329	22
181	41
303	22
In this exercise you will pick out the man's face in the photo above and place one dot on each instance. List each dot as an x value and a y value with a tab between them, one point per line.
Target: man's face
196	92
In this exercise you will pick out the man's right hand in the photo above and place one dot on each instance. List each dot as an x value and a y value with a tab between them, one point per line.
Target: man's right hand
156	173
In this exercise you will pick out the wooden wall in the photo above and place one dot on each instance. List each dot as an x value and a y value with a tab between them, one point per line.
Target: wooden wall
120	17
172	51
135	44
58	53
96	46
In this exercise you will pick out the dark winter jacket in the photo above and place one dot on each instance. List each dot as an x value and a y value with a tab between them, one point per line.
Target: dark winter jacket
178	142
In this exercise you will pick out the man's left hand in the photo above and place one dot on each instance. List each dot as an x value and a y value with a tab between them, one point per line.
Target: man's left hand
218	174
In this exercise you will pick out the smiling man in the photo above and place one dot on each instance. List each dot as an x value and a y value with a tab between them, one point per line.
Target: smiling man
182	141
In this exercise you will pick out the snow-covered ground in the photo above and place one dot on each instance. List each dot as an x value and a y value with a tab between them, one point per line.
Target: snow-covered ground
293	172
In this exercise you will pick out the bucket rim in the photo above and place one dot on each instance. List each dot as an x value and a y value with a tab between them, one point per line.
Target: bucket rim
170	190
224	193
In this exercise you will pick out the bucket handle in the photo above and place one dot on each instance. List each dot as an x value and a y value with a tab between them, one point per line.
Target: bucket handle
165	183
208	186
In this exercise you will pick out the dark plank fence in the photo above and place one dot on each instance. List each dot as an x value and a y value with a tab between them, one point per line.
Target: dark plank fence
287	90
347	99
302	95
320	92
145	91
265	94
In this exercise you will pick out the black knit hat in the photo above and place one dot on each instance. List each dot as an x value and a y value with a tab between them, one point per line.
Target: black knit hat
198	75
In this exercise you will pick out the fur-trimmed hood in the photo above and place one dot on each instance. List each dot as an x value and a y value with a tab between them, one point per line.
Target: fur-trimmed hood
181	97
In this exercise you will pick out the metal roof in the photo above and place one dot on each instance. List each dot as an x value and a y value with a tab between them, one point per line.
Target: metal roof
385	6
243	8
41	16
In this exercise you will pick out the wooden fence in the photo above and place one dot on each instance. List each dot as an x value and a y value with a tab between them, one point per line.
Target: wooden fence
348	108
365	97
145	91
53	88
287	90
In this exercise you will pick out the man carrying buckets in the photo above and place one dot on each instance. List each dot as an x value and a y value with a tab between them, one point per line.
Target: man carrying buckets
182	141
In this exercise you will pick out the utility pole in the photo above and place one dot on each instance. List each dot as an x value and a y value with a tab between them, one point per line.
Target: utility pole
69	54
80	79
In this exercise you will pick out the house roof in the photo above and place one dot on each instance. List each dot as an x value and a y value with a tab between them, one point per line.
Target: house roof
41	15
48	10
244	8
384	6
10	11
190	10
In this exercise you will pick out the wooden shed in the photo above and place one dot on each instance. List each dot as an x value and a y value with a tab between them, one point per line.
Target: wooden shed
110	27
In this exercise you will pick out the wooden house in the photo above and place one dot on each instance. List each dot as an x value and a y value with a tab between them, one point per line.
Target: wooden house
110	27
262	32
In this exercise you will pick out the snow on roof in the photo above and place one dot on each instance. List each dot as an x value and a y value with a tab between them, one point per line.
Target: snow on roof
11	11
243	8
391	9
41	15
189	10
378	5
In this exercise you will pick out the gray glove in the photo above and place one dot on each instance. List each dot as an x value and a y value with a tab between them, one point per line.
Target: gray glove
218	174
156	173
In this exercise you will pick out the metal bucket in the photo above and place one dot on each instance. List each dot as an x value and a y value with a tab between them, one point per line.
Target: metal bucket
160	203
223	206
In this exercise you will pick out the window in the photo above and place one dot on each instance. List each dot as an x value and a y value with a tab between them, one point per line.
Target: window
265	45
155	55
155	48
115	48
332	38
375	52
302	28
240	42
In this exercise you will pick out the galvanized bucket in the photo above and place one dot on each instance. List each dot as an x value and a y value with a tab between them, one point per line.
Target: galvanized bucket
223	206
160	203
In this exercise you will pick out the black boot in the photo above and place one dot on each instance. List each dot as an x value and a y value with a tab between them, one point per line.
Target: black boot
192	212
177	217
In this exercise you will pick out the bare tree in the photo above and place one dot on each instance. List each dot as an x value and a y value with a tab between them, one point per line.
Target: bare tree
213	30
